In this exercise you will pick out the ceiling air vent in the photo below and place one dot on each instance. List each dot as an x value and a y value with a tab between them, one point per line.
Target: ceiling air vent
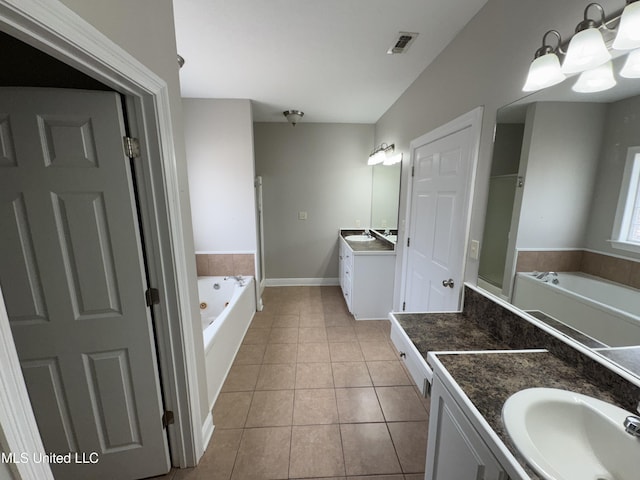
402	43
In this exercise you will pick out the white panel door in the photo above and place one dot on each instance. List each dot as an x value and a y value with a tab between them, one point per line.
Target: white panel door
72	273
435	255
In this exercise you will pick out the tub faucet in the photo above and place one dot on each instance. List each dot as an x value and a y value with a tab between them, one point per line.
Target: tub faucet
548	276
632	424
237	278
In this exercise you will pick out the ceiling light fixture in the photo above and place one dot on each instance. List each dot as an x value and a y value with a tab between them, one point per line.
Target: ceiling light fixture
379	154
587	50
293	116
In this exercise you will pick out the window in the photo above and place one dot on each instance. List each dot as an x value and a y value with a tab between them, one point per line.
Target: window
626	229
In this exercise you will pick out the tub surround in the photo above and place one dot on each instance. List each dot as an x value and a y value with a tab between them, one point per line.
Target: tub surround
609	267
224	264
500	353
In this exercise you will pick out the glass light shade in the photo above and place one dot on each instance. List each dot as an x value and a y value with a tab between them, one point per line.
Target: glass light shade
377	158
595	80
628	36
631	67
392	159
586	51
544	72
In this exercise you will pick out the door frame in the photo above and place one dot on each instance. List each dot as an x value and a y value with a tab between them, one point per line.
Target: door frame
56	30
473	120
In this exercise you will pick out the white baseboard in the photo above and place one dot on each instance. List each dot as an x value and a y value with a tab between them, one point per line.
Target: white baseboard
207	430
301	282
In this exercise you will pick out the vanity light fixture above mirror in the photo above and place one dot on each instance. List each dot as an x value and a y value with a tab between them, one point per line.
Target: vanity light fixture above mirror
588	52
384	154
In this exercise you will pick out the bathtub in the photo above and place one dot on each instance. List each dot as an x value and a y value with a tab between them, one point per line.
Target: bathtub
227	306
604	310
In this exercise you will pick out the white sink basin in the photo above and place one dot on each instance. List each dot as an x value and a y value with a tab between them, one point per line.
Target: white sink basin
565	435
359	238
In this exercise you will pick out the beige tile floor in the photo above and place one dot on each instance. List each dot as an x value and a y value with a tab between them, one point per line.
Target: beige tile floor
315	394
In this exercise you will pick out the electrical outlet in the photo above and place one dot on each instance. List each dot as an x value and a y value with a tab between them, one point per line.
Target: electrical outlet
357	223
474	249
302	215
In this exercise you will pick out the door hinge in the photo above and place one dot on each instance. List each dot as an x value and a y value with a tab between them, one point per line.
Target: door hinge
152	296
404	306
413	171
167	418
131	147
408	241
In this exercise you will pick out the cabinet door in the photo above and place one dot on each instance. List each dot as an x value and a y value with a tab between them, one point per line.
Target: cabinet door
455	449
341	264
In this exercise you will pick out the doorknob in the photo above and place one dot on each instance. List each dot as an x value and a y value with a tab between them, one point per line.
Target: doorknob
448	283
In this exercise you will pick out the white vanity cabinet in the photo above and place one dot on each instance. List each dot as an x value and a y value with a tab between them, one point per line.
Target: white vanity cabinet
412	358
366	279
455	448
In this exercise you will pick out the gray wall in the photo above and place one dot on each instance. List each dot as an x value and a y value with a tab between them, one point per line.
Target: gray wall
621	132
320	169
486	64
219	143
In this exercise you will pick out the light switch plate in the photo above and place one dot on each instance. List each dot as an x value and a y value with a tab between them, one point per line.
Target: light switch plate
302	215
474	249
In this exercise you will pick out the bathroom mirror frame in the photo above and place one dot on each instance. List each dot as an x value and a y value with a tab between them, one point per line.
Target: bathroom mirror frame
513	113
385	196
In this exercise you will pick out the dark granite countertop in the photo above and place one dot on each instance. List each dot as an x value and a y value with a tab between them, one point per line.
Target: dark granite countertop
377	245
488	379
433	332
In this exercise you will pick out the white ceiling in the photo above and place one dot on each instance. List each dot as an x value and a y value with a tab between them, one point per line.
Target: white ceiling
325	57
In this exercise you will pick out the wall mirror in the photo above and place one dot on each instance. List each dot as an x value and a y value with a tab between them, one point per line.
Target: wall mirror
557	174
385	196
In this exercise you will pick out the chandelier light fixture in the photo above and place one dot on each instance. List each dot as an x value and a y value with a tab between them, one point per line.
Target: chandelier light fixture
588	52
293	116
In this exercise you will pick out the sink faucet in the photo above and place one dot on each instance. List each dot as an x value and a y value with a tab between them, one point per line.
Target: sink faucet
548	276
632	424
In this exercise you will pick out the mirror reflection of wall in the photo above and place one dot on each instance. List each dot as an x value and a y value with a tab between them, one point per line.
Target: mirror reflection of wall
385	196
502	190
572	161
